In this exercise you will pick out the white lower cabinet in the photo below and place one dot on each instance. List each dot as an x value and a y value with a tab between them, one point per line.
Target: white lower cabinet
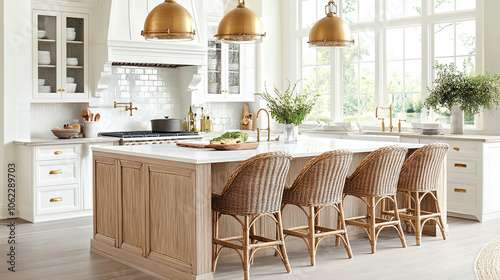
473	177
54	181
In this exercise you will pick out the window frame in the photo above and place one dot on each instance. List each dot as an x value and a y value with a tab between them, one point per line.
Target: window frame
426	21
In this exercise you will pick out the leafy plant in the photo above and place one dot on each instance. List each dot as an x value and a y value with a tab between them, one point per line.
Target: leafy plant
455	87
290	106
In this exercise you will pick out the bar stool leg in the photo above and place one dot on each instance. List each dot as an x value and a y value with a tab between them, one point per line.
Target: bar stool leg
284	256
342	226
215	235
418	223
312	236
373	231
246	250
399	227
440	217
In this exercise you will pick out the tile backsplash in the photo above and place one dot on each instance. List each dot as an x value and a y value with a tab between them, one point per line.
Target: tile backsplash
44	116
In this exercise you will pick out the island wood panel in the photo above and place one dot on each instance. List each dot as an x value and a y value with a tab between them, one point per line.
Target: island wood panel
106	199
172	214
133	205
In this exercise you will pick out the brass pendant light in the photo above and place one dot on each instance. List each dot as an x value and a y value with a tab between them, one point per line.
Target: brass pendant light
241	25
331	31
169	21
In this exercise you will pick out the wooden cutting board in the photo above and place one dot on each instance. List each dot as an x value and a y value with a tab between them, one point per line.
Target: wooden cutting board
232	147
193	145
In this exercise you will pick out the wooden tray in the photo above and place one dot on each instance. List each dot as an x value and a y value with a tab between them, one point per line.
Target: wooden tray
232	147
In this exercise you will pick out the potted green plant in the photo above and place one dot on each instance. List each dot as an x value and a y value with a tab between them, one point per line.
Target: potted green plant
461	92
289	108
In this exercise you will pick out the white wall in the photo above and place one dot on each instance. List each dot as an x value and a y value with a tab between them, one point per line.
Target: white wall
17	78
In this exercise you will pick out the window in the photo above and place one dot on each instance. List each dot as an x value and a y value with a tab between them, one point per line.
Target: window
397	43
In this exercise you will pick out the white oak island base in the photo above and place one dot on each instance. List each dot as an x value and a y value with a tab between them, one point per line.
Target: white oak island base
154	214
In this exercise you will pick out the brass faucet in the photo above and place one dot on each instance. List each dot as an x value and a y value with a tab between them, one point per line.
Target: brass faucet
127	106
390	113
399	125
268	126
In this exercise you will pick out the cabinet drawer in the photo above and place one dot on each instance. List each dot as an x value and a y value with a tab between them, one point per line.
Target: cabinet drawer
56	152
462	166
458	148
461	197
56	200
62	172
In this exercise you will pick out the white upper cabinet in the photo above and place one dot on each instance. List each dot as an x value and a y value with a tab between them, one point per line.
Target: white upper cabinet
231	70
60	55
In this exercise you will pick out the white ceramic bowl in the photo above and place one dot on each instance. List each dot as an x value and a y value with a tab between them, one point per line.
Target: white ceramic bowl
43	61
44	89
41	82
70	36
43	54
70	29
72	61
41	34
70	80
70	88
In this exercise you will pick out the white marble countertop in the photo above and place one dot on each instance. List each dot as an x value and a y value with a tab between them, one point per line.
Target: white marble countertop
457	137
305	147
56	141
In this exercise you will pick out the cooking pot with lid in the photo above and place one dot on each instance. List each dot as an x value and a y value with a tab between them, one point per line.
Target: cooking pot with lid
166	125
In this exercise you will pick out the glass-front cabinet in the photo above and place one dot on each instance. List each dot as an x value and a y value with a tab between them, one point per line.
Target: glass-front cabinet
230	70
60	55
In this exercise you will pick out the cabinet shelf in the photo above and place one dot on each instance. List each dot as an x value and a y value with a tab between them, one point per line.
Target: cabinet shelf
75	42
74	67
46	66
46	40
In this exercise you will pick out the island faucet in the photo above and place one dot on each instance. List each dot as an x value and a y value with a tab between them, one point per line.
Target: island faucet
268	126
390	113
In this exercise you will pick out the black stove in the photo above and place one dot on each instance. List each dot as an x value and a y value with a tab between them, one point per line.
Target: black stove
146	134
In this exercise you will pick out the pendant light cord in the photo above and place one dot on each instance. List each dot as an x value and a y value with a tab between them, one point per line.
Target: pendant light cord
328	8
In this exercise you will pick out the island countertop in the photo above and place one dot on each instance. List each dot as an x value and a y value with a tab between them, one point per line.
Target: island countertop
306	146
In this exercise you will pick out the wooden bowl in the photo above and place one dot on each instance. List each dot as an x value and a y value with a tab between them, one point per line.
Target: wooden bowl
66	133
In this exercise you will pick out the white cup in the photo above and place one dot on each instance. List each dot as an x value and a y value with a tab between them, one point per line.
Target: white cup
41	82
70	29
41	34
70	80
70	36
71	88
91	129
72	61
44	89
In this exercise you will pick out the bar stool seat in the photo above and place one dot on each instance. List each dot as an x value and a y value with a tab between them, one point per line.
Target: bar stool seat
374	181
419	179
254	191
318	186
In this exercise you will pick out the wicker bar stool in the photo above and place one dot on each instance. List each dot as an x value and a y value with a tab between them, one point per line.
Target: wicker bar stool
318	186
419	178
375	180
254	190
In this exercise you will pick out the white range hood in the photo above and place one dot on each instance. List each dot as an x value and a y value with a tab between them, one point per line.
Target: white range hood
117	38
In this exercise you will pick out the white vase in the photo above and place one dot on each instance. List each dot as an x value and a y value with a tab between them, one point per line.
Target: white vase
457	119
291	133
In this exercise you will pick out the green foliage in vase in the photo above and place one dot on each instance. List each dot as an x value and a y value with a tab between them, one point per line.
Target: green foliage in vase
455	87
289	106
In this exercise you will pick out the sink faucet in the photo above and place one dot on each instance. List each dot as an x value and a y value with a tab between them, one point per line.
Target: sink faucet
268	126
390	113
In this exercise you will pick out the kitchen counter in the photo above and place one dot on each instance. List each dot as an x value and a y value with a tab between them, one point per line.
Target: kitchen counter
56	141
152	204
305	147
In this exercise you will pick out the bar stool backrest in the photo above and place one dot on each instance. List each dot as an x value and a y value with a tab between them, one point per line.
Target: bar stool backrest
378	173
256	186
322	180
421	170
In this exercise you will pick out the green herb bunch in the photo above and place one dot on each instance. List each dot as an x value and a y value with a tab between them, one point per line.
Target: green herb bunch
290	106
455	87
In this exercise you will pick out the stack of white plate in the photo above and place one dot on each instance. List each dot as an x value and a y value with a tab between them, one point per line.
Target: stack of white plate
70	84
70	34
44	89
72	61
43	57
428	128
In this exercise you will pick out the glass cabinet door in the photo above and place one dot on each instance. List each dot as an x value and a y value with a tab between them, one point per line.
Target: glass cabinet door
46	57
74	58
214	64
233	69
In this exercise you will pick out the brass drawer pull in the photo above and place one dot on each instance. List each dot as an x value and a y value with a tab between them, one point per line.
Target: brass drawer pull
52	172
456	149
461	165
460	190
56	199
57	152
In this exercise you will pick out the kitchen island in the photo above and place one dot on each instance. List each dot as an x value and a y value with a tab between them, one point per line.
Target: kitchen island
152	204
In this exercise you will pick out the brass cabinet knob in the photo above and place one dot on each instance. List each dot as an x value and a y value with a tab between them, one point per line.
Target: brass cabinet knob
56	199
52	172
63	90
456	149
57	152
460	190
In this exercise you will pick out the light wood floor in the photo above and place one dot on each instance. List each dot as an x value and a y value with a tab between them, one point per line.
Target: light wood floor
60	250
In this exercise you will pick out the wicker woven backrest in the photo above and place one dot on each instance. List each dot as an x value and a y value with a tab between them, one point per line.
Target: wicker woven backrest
256	186
322	180
421	170
378	173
